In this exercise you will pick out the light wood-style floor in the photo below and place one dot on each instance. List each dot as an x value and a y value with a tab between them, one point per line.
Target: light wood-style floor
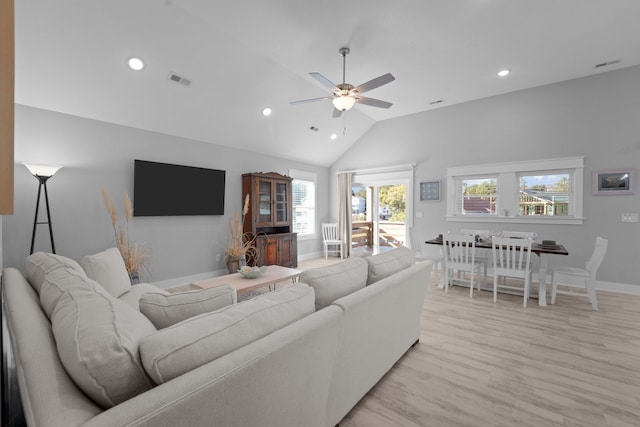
485	364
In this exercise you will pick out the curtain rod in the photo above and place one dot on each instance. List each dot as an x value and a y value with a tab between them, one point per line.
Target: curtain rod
409	166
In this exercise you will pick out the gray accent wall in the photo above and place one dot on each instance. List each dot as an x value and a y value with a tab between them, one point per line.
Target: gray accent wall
597	117
96	153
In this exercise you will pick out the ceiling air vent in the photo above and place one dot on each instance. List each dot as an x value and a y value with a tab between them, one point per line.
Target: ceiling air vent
606	64
177	78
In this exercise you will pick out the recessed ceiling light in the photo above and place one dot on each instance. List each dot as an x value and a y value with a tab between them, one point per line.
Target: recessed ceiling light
266	111
504	73
135	64
334	136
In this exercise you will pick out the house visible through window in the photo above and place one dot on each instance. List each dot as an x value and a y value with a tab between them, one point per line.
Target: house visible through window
545	194
478	196
304	202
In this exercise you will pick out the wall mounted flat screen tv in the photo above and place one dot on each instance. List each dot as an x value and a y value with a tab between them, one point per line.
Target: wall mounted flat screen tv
162	189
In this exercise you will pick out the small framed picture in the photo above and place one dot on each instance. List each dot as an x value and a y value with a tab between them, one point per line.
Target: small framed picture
429	191
614	182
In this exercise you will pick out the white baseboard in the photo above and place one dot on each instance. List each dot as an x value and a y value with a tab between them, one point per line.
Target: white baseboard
623	288
311	255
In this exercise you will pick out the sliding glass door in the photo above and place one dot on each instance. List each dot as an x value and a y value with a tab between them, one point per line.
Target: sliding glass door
379	212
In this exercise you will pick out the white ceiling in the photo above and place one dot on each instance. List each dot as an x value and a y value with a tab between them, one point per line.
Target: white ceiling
244	55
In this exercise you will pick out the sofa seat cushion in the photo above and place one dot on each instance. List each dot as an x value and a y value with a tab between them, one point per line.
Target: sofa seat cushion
97	338
108	269
337	280
167	309
388	263
189	344
37	265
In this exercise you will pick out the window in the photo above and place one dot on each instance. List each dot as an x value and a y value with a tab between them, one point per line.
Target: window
477	196
545	191
304	202
545	194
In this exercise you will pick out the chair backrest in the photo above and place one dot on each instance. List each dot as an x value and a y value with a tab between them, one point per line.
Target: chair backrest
511	254
459	249
416	245
330	231
598	255
519	234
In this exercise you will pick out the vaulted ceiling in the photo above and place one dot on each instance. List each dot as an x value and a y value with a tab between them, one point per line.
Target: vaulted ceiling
241	56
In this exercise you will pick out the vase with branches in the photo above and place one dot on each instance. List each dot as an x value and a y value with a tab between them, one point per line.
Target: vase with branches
241	244
133	254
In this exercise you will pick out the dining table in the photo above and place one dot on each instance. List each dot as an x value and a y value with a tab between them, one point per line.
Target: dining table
542	251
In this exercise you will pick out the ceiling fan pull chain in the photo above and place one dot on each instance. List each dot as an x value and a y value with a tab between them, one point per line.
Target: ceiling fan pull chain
344	125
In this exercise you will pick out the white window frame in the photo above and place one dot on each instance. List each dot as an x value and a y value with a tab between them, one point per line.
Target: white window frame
309	177
508	176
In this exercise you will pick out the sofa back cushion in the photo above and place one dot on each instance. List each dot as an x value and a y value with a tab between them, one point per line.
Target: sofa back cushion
189	344
337	280
108	269
388	263
97	338
40	263
165	310
57	281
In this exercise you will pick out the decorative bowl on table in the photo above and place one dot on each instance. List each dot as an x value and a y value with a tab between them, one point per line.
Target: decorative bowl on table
252	272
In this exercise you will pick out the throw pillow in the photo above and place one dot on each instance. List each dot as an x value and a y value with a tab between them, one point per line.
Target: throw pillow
165	310
336	281
388	263
108	269
183	347
40	263
97	337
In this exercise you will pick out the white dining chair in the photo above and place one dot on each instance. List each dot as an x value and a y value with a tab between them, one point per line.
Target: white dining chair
512	258
331	240
459	255
421	253
481	255
585	276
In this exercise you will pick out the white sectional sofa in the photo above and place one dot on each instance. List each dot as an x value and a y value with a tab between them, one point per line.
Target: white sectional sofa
91	350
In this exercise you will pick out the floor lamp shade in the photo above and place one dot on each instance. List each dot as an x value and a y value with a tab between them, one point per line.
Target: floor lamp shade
42	172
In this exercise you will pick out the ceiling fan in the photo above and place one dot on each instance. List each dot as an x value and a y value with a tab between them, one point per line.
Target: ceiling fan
346	95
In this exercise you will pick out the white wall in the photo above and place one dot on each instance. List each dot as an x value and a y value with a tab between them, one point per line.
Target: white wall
96	153
597	117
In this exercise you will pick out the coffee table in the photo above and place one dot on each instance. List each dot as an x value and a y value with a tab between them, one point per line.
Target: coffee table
274	274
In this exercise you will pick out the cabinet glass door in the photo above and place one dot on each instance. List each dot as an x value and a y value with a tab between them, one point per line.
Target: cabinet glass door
281	196
264	202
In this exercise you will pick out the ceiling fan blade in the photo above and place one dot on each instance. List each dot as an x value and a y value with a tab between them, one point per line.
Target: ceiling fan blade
374	83
373	102
306	101
336	113
324	81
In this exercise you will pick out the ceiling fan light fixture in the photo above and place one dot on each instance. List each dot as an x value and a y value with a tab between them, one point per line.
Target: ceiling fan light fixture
343	103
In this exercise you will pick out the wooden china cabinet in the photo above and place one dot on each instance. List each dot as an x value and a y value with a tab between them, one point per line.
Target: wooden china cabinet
269	218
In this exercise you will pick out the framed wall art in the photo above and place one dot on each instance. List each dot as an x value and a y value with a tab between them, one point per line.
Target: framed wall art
429	191
614	182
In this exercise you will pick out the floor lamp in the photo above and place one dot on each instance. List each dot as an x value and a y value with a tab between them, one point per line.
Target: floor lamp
42	172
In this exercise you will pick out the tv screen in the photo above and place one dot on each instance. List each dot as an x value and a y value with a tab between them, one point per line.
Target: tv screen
162	189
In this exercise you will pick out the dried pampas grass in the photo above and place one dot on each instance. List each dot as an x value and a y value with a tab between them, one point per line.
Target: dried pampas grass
134	255
240	243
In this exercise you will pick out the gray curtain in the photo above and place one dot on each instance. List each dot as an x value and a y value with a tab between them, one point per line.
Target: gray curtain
345	181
